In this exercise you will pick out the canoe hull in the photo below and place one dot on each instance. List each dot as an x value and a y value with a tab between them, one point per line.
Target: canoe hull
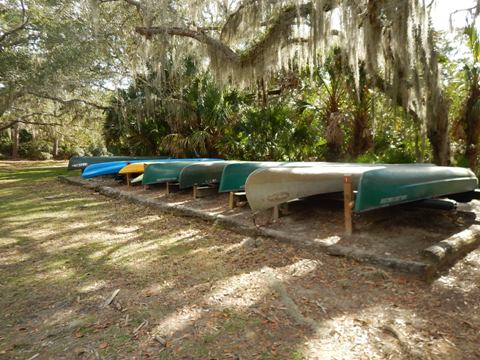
234	176
163	172
201	174
136	168
393	186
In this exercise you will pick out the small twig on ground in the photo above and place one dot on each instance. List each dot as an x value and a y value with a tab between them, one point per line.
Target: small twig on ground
34	356
144	323
126	320
110	299
160	340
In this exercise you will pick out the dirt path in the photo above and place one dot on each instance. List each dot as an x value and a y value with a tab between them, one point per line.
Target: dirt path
192	291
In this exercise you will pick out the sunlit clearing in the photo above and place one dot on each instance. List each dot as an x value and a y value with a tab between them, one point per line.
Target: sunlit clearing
178	321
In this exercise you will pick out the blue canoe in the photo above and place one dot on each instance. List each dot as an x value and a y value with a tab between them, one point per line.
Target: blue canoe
111	168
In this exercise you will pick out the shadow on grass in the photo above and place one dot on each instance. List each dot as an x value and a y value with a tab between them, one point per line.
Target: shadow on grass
204	290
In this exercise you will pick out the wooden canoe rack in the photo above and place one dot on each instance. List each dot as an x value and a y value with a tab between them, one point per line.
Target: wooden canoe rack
202	191
279	210
129	179
172	187
234	198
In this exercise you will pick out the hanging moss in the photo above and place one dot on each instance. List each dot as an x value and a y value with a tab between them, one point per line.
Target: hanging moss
258	38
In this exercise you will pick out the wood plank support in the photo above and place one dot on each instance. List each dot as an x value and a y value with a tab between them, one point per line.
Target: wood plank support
172	187
235	197
348	203
276	213
202	191
128	180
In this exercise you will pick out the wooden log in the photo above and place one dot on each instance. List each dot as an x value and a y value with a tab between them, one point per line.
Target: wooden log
231	200
348	204
453	247
128	180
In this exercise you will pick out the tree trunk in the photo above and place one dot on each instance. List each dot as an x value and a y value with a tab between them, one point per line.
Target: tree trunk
56	143
362	136
471	124
15	141
438	133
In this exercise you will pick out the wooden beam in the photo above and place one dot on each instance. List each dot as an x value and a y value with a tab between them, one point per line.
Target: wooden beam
276	213
128	180
348	203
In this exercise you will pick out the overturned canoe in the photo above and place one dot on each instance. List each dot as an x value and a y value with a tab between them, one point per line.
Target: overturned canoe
164	172
235	175
114	167
81	162
268	187
396	185
136	168
202	174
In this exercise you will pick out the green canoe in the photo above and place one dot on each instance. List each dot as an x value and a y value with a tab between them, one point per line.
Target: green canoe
163	172
396	185
81	162
202	174
235	175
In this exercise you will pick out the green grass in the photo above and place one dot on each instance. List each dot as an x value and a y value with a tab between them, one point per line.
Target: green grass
34	174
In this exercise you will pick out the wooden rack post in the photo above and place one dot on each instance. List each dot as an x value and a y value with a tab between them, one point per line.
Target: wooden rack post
128	180
348	203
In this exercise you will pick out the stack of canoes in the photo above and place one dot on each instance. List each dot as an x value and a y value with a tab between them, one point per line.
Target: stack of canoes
268	184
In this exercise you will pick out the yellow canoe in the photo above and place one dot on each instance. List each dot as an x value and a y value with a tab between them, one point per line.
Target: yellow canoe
135	168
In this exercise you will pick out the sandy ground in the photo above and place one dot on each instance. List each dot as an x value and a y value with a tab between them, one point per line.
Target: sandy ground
188	290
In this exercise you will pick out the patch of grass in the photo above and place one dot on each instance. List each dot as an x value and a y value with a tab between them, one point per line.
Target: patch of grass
177	250
33	174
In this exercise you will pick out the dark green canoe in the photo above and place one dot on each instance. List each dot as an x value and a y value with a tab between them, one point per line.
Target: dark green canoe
163	172
235	175
202	174
396	185
81	162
